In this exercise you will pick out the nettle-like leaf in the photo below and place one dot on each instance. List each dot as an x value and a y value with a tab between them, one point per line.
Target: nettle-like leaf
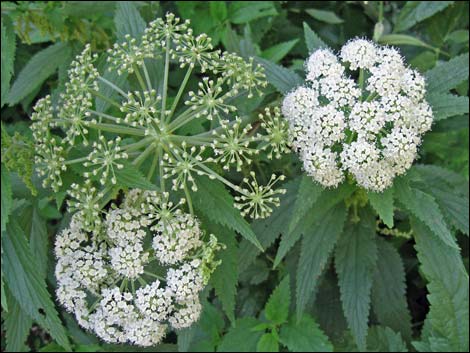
317	245
447	75
447	323
445	105
8	56
304	335
285	80
355	263
383	204
384	339
268	343
26	284
312	40
415	12
216	203
6	197
17	327
241	337
277	307
389	290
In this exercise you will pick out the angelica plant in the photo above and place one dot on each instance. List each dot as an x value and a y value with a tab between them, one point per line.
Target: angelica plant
144	126
369	128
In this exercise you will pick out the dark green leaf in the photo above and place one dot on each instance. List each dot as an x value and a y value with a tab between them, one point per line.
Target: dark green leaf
383	204
7	200
8	55
128	20
246	11
447	75
268	343
416	11
131	177
241	337
445	105
383	339
17	326
312	40
277	307
277	52
283	79
324	16
403	39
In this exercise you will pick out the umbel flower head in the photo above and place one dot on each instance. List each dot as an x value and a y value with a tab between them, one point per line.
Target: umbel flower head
370	127
134	117
137	273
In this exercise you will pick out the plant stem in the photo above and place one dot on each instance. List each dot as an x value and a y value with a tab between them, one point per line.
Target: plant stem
188	198
180	92
117	129
106	99
165	78
139	78
139	160
113	86
147	77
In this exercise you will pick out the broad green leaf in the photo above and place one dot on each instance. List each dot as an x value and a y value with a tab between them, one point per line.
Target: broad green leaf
448	286
42	65
38	240
389	290
445	105
324	16
225	277
384	339
416	11
128	20
218	10
268	343
241	337
216	203
447	75
17	327
277	307
459	36
382	203
355	263
267	230
304	335
312	40
277	52
285	80
8	56
24	282
317	244
131	177
7	198
247	11
425	208
403	39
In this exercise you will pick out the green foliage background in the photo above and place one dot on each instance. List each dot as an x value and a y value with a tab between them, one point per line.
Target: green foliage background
397	280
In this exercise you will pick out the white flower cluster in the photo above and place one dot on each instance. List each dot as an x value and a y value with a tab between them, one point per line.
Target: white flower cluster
369	128
138	272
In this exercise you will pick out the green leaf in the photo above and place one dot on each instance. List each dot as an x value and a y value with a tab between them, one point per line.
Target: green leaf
312	40
26	285
225	277
128	20
416	11
317	245
445	105
42	65
324	16
383	339
215	202
218	10
355	262
277	52
8	56
241	337
38	239
425	208
403	39
389	290
17	327
383	204
448	318
285	80
243	12
277	307
7	198
304	335
268	343
107	91
447	75
131	177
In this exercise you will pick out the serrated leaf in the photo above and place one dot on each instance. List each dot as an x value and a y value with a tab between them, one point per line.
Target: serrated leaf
317	245
241	337
383	204
277	52
128	20
447	75
383	339
225	277
355	262
448	287
131	177
25	284
425	208
416	11
285	80
403	39
268	343
324	16
216	203
277	307
243	12
312	40
389	290
445	105
17	326
304	335
42	65
8	56
6	196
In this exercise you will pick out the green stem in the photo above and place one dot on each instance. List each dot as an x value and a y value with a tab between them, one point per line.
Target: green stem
188	198
151	274
137	145
152	167
113	86
381	11
180	92
147	77
139	78
77	160
160	168
106	99
106	116
117	129
139	160
165	78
